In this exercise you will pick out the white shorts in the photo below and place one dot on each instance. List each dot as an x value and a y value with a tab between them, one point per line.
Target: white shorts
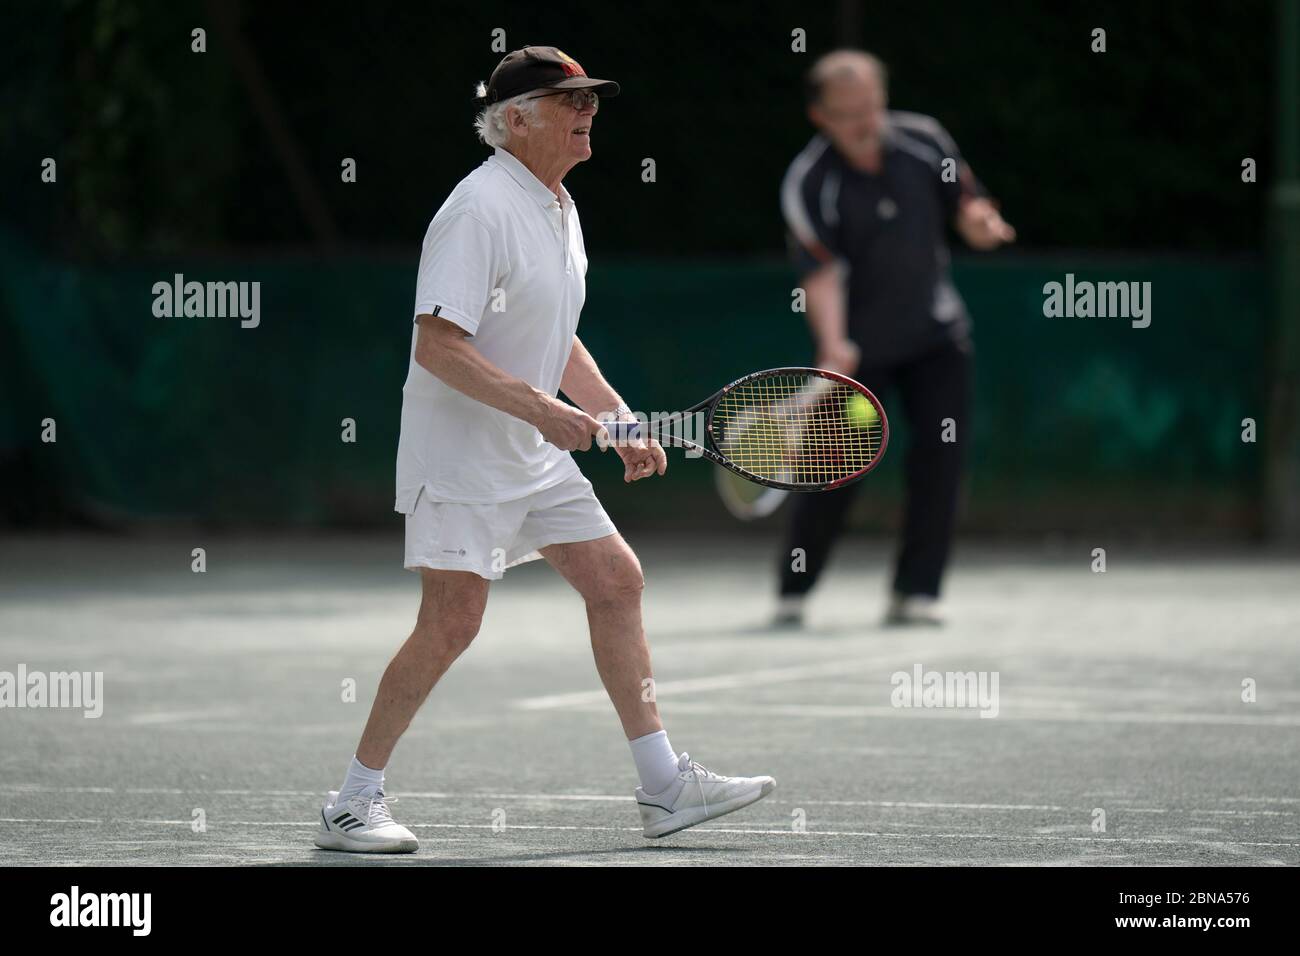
487	539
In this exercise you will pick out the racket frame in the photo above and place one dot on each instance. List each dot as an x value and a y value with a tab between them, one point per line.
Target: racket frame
624	431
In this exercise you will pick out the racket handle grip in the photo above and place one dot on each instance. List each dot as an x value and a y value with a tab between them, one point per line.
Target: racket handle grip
623	433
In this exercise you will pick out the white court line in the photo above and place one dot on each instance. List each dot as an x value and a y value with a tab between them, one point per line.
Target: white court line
930	806
1007	712
1261	799
1005	837
150	718
768	676
1117	808
20	820
739	679
1014	838
1054	691
26	788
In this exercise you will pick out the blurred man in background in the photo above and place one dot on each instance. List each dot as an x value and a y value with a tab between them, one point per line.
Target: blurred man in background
868	204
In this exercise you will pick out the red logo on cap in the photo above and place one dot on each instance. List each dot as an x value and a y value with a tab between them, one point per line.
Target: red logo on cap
570	66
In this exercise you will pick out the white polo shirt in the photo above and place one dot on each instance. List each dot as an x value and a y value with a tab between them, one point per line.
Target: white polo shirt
504	260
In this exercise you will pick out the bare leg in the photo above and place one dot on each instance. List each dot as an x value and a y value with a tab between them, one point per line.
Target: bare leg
451	610
608	576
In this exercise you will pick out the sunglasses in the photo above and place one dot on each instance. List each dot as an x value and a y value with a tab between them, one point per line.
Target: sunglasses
578	99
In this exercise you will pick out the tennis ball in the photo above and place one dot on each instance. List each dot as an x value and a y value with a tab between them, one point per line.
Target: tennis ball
860	412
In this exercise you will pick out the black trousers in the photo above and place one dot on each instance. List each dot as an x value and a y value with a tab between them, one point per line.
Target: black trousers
930	388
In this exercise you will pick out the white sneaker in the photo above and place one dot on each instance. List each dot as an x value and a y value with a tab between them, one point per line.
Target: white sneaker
695	796
914	609
363	825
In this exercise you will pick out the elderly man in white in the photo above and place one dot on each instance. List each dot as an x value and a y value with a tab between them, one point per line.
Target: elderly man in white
484	474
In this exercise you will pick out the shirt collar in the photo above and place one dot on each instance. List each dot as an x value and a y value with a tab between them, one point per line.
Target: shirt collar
530	183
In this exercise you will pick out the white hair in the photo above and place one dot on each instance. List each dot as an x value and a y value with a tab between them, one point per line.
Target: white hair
491	123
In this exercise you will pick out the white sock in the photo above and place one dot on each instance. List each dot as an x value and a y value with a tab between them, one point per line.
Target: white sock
360	778
656	764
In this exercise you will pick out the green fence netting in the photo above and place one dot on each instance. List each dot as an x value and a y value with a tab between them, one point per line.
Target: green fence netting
1079	422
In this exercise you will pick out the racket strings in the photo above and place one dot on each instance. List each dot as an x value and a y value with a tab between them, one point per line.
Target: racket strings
802	430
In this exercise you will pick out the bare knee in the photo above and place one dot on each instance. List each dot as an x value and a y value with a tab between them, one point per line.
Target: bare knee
451	611
619	584
450	631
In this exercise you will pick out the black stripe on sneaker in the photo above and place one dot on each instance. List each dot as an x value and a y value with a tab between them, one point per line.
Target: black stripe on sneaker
353	825
659	806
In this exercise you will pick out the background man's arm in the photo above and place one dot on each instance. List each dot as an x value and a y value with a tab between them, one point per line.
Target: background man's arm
828	319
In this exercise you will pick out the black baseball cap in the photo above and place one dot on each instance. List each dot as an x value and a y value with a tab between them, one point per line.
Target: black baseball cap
542	68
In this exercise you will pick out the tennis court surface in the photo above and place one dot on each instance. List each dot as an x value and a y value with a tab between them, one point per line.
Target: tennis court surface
223	701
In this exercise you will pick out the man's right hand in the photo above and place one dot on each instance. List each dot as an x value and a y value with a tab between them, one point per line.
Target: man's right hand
566	427
840	355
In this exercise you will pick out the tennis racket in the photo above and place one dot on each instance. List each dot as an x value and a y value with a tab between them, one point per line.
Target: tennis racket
749	501
797	429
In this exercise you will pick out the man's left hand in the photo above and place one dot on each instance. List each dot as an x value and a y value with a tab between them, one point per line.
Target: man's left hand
982	226
642	459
